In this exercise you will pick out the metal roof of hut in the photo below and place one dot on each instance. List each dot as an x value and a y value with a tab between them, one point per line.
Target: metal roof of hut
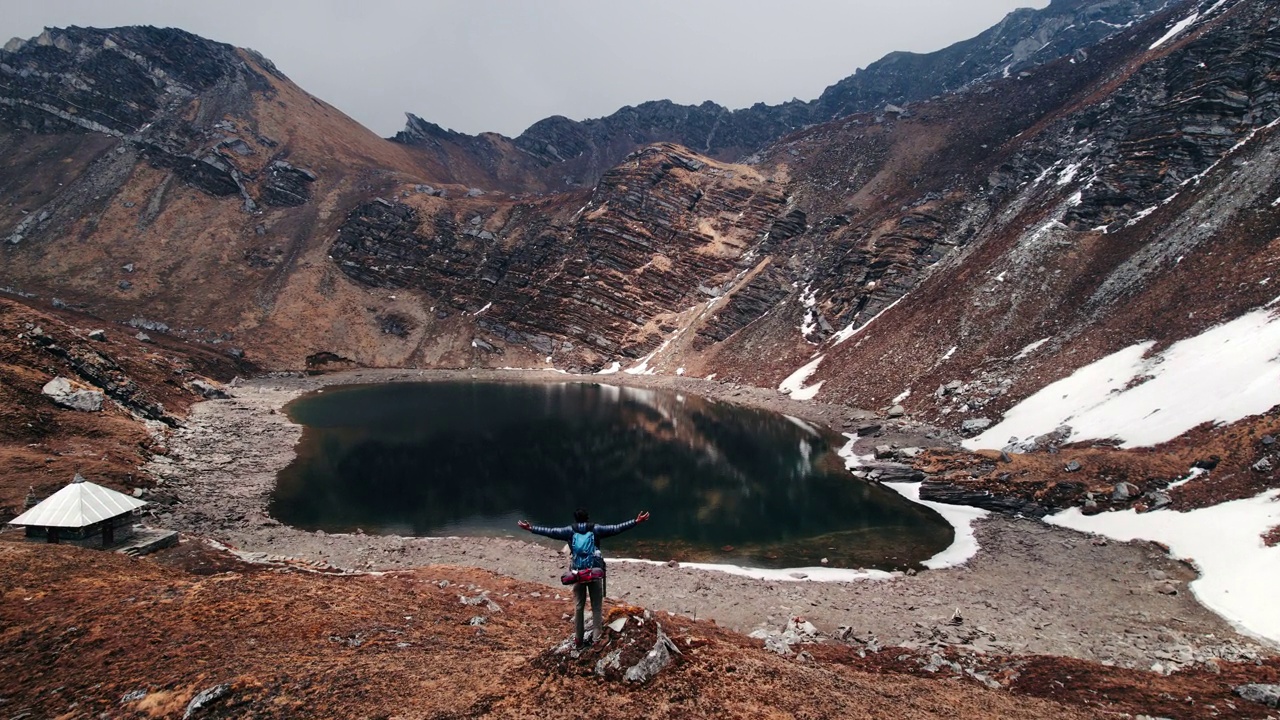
78	505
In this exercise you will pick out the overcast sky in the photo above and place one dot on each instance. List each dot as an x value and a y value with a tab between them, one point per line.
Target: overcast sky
477	65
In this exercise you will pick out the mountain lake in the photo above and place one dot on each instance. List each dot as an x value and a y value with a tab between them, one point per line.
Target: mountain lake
724	483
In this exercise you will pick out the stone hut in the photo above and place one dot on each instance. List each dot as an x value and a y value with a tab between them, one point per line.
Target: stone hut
82	513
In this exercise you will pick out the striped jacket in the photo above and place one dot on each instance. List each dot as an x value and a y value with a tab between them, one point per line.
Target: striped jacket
566	533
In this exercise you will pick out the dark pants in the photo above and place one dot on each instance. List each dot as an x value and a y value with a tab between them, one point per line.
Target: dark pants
596	588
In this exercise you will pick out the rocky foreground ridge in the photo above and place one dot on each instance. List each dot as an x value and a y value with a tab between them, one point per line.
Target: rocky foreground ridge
237	639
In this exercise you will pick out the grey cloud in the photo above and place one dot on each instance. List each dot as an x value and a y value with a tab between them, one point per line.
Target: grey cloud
490	65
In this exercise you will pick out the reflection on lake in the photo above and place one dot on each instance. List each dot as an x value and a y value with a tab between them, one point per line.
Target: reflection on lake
724	483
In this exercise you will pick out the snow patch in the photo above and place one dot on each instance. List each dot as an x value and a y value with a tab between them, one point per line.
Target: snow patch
1239	577
1042	231
902	396
794	384
613	369
809	299
812	574
642	367
1069	173
1195	473
949	353
961	517
852	461
851	330
803	425
1140	215
1176	30
1226	373
1030	348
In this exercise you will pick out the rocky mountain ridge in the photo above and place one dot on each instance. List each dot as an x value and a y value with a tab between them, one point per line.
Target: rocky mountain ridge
560	152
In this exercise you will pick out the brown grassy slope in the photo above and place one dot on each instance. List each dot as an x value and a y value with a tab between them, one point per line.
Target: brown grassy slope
81	630
43	445
202	264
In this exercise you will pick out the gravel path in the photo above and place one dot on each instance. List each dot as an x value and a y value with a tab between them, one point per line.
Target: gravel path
1032	588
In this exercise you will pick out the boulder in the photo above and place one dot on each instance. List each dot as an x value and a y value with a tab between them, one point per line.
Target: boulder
896	411
1208	463
99	335
1268	695
61	391
1124	491
209	390
654	661
973	426
204	698
893	472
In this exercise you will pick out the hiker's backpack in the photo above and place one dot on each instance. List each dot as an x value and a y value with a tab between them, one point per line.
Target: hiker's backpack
584	552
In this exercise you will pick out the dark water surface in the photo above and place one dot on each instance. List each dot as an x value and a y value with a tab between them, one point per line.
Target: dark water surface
724	483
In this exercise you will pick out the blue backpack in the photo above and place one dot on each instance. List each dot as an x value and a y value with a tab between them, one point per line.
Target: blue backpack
584	550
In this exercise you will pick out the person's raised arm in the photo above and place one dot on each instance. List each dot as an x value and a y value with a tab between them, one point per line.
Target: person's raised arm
607	530
559	533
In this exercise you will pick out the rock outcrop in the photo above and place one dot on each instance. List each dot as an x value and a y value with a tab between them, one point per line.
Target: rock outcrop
608	280
62	392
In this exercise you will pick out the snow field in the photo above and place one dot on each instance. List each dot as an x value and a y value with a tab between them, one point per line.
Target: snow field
1239	574
1225	374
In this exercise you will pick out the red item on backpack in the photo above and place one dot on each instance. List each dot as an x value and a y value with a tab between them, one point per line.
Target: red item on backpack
573	577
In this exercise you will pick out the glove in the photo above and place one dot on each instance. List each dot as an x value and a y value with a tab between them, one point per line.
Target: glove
524	524
644	515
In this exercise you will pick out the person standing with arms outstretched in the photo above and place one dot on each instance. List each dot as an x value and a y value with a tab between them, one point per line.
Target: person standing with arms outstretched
583	538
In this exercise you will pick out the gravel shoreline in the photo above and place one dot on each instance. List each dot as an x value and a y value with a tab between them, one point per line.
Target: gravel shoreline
1031	589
